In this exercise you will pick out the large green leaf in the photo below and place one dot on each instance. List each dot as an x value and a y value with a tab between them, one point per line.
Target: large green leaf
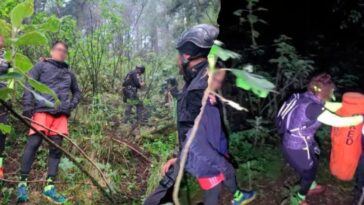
42	88
12	76
7	55
6	129
5	28
23	63
5	93
42	99
34	38
223	54
52	24
20	12
255	83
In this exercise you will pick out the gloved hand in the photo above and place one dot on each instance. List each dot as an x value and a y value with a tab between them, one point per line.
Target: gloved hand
28	113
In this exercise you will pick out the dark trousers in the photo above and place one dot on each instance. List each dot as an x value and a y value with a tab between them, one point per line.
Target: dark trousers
360	171
4	120
31	148
139	111
306	168
163	193
211	197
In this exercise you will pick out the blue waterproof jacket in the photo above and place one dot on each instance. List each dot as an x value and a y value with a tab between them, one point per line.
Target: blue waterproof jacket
206	157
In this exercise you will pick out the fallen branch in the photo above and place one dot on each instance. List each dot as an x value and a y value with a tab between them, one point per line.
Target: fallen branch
75	145
68	155
120	141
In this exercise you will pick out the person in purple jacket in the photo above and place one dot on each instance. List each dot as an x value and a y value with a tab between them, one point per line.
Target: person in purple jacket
208	155
298	121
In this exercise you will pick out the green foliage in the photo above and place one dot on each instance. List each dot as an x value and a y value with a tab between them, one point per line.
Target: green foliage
21	63
20	12
252	18
291	66
257	84
32	38
6	195
6	129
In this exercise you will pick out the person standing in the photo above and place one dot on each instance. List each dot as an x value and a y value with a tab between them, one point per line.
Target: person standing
54	73
298	120
131	84
193	48
4	67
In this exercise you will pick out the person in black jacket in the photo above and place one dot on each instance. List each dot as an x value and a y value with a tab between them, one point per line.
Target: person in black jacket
54	73
131	84
193	47
4	67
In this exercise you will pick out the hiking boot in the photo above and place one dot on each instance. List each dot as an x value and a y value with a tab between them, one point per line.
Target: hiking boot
22	193
2	172
242	197
50	193
319	189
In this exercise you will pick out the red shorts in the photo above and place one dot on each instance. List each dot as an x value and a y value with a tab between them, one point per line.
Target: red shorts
58	124
207	183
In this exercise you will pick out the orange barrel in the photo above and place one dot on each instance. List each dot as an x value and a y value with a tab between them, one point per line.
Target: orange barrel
346	142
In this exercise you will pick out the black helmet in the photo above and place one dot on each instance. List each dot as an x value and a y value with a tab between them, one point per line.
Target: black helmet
202	35
141	68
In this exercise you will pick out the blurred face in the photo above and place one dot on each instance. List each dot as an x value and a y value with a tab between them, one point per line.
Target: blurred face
2	42
59	52
218	80
327	93
180	58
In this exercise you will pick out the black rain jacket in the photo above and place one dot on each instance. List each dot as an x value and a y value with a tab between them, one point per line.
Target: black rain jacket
57	76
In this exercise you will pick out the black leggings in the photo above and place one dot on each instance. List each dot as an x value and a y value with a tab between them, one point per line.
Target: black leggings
2	143
31	148
3	119
306	168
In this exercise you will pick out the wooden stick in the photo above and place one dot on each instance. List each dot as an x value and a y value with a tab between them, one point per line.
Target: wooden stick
120	141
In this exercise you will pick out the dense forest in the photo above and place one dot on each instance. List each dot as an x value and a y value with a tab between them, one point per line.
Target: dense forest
111	158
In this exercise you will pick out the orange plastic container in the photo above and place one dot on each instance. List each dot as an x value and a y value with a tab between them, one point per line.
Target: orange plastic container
346	142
